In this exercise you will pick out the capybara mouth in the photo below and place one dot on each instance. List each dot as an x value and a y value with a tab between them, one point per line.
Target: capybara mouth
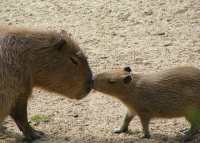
81	96
85	91
88	90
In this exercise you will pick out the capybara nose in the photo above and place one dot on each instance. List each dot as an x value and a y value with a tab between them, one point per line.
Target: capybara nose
90	84
88	89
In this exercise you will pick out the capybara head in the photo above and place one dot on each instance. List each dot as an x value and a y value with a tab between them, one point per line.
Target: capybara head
114	83
62	67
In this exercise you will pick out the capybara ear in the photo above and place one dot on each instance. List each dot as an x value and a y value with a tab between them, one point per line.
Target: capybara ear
60	44
127	69
127	79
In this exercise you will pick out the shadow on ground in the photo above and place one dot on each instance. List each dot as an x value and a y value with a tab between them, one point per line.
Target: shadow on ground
7	136
156	138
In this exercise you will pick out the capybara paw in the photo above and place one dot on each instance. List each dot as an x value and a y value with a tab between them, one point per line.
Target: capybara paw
147	136
185	131
186	138
189	135
34	135
120	130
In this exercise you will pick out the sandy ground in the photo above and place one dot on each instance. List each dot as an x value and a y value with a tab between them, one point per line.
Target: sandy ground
148	35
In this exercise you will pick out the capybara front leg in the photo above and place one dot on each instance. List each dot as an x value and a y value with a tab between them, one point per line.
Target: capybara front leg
19	114
127	119
145	124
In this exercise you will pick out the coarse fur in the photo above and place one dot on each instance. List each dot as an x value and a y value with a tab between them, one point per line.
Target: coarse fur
34	58
170	93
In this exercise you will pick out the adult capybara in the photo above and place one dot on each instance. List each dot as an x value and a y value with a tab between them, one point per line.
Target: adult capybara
33	58
170	93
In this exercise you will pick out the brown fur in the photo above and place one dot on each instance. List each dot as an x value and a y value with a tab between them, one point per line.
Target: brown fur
170	93
46	59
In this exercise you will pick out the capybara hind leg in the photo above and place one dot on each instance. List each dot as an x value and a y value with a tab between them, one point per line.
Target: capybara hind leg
19	114
127	119
145	125
5	106
6	103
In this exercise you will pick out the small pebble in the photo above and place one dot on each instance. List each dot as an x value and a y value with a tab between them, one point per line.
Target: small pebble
75	116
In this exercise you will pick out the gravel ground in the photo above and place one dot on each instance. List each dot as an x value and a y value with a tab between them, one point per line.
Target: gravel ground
148	35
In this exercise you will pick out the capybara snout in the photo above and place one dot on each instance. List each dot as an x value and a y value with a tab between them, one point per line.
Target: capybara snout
88	84
84	76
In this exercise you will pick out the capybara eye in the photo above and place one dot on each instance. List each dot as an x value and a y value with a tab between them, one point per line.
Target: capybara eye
127	79
111	81
74	61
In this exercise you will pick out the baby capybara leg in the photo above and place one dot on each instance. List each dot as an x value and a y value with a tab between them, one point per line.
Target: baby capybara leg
145	125
19	114
127	119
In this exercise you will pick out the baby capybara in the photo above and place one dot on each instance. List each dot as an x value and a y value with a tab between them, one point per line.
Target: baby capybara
34	58
166	94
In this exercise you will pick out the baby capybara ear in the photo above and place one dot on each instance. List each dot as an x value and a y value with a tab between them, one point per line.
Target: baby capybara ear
127	79
127	69
59	44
